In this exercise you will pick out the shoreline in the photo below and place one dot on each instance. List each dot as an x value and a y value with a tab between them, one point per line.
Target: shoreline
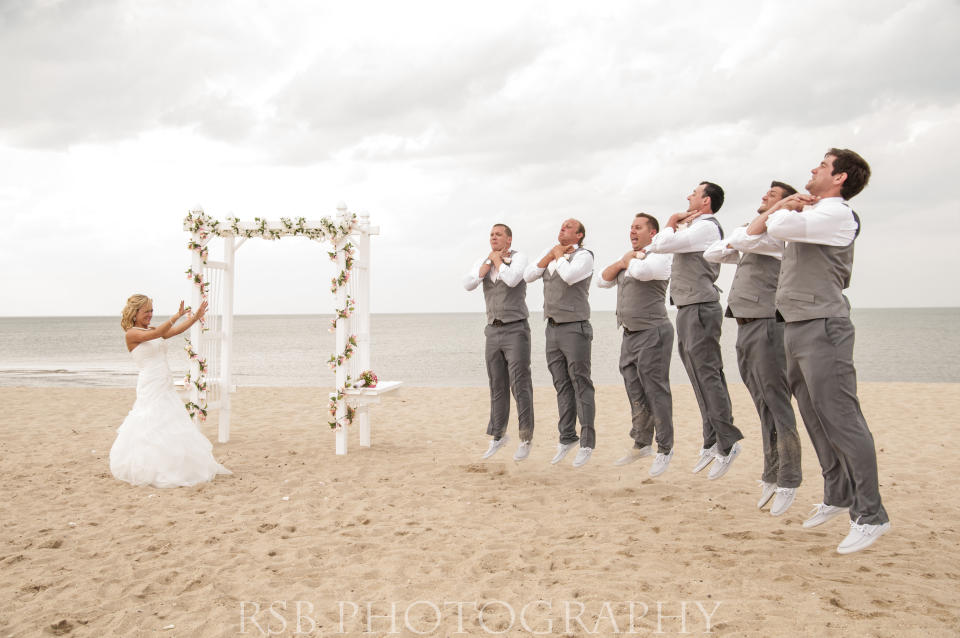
419	517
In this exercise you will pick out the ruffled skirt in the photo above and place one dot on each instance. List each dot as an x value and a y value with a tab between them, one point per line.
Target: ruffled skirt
158	444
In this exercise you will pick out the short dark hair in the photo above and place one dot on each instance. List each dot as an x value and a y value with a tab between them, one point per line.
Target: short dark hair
505	228
787	189
856	168
651	220
715	193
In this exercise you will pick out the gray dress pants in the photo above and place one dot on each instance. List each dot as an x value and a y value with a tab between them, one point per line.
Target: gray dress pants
698	342
822	377
568	359
645	367
508	368
763	367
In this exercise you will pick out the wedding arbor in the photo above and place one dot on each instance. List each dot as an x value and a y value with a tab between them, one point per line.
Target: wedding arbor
210	343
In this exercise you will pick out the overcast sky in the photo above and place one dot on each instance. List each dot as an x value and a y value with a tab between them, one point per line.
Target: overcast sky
442	118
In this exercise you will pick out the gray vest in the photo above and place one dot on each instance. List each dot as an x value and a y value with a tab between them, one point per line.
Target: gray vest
812	280
692	279
503	302
563	302
754	287
640	304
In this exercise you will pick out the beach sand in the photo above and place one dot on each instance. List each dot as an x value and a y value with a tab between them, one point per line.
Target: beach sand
418	520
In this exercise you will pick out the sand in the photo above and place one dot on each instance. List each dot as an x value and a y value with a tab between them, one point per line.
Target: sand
418	521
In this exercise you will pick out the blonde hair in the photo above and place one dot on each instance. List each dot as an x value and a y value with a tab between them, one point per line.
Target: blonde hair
129	315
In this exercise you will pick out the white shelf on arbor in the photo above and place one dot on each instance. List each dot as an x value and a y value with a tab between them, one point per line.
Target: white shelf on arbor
362	398
373	393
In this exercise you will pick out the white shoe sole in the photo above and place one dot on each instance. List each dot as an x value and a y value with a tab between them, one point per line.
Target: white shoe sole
490	453
774	511
764	499
518	457
655	472
716	471
705	460
560	456
807	524
870	540
633	457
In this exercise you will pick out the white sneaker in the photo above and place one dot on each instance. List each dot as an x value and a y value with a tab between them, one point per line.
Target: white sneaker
523	451
767	490
582	456
495	446
723	463
634	455
861	537
661	463
562	449
783	501
707	455
821	513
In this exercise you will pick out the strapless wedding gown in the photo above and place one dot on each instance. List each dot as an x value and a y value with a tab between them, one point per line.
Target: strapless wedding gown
158	444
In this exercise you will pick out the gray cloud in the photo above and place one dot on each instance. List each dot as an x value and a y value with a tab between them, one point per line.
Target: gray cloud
525	90
102	71
443	117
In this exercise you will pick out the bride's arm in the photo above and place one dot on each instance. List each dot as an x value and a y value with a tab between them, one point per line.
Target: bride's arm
137	336
174	330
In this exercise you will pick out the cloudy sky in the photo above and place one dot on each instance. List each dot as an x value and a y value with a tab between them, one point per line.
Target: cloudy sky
442	118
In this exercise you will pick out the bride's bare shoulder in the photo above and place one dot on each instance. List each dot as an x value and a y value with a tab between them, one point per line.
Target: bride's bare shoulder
131	337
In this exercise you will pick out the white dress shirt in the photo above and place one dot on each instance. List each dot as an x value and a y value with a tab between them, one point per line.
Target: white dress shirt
696	238
571	269
511	273
829	222
653	266
741	242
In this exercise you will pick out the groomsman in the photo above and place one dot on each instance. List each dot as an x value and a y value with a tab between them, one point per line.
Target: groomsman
697	298
820	230
508	338
641	282
760	354
566	270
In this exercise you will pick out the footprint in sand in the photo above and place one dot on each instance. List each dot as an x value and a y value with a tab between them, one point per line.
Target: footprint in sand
743	536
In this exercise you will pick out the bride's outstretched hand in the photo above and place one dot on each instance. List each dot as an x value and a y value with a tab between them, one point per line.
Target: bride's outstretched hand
202	310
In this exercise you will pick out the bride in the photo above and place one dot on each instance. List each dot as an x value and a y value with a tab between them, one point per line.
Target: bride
157	443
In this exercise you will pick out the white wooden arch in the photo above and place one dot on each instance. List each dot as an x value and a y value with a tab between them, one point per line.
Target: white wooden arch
215	341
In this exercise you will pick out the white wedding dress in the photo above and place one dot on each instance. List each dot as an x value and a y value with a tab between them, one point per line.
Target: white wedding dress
158	444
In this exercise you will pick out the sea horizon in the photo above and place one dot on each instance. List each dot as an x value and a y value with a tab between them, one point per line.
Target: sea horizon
428	349
670	309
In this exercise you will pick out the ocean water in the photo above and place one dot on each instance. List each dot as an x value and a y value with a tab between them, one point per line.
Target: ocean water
915	345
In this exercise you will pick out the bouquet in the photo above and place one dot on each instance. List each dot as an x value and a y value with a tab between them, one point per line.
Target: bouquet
367	379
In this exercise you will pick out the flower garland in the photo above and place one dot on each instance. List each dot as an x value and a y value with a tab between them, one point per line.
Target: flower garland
195	410
204	227
339	359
